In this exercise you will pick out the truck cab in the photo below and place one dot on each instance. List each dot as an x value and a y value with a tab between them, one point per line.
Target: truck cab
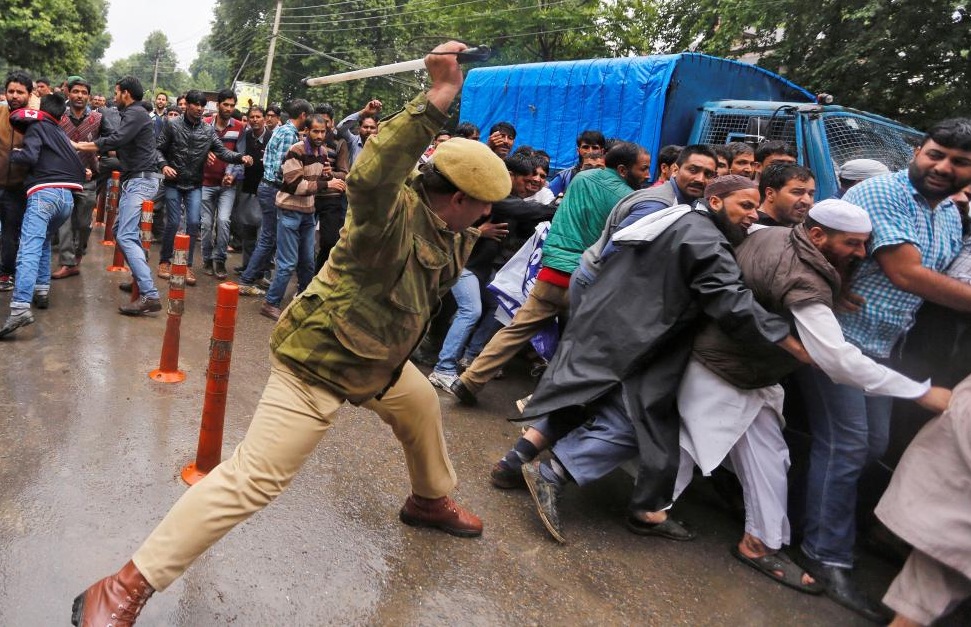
825	136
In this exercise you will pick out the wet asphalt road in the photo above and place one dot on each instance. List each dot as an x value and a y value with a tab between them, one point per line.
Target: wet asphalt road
90	451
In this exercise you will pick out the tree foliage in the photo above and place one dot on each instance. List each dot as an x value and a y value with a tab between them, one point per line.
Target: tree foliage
54	37
905	59
142	65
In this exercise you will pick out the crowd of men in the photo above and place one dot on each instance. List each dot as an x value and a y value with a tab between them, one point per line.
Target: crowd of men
682	304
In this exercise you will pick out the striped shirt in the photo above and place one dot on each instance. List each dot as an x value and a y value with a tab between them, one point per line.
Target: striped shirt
899	215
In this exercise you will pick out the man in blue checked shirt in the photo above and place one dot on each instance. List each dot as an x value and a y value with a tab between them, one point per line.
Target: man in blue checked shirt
916	235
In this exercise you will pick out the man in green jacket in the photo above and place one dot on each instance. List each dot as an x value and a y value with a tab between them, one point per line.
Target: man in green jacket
577	224
346	337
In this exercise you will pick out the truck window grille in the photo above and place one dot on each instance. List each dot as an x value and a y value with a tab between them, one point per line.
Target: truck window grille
854	137
721	128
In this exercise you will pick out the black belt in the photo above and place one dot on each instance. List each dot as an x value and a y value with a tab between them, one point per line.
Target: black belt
272	184
143	175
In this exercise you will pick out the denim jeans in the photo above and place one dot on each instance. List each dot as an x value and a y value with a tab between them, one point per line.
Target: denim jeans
294	251
466	293
174	198
217	208
128	233
47	210
849	429
487	327
259	261
13	203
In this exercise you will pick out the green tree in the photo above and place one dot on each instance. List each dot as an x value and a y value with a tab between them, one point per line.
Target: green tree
212	69
906	60
56	37
156	60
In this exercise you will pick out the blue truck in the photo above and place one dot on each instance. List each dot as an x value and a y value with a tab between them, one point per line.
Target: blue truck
678	99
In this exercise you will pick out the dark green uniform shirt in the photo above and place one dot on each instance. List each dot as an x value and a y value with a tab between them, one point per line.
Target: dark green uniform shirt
361	317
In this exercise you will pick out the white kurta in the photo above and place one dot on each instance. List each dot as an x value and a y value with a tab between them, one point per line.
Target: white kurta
715	413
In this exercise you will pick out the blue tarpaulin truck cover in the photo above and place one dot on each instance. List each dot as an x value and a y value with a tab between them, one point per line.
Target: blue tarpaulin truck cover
649	100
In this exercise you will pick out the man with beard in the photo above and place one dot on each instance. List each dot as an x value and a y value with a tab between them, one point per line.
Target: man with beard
916	235
13	195
367	125
577	224
787	193
219	187
730	399
81	124
619	362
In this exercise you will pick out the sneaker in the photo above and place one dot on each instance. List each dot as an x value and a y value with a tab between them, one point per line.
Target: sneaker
219	269
15	321
190	277
41	300
546	496
6	282
165	270
271	311
207	267
141	306
506	478
465	362
442	380
250	290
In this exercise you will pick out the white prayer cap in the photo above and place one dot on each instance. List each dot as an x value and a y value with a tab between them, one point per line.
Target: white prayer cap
862	169
840	215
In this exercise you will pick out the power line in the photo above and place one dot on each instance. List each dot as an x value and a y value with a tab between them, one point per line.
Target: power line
413	8
353	66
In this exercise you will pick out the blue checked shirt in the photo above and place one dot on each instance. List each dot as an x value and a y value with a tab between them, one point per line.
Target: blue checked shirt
960	268
276	151
899	215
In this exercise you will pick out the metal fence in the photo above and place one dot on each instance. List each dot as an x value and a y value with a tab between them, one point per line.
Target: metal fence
854	137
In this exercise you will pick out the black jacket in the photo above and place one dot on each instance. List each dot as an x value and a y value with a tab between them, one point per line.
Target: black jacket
133	141
184	145
522	216
634	328
48	153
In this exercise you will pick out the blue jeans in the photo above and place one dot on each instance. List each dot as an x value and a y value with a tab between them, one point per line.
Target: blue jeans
217	208
849	430
294	251
466	293
174	197
259	261
127	232
487	327
47	210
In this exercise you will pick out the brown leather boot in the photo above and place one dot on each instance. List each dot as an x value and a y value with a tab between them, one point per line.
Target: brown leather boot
441	513
115	600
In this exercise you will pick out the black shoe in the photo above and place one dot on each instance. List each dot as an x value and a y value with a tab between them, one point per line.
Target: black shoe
141	306
219	268
545	495
670	529
459	391
125	287
41	300
207	267
839	587
239	269
506	478
14	322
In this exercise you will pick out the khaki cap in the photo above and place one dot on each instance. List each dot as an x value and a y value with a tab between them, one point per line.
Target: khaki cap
473	168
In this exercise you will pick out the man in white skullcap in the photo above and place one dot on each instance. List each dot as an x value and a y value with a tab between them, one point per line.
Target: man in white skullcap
730	399
858	170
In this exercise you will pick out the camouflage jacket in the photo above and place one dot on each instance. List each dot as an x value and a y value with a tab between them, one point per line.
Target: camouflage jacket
354	327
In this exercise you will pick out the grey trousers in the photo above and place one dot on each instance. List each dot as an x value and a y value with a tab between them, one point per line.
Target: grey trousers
74	234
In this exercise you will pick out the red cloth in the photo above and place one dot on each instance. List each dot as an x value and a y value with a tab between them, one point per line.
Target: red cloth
554	277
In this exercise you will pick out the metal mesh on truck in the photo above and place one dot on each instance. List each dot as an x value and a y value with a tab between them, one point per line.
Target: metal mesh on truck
853	137
721	128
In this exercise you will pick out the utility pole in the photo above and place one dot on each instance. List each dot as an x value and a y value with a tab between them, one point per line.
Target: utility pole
158	55
269	54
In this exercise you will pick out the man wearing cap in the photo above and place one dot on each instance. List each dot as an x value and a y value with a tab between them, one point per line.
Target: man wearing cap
347	337
794	273
858	170
620	378
81	125
916	234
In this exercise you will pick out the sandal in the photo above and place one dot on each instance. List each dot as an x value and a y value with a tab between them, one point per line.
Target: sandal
670	529
774	563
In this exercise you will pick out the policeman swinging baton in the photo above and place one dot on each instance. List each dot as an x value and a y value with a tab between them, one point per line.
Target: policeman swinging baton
469	55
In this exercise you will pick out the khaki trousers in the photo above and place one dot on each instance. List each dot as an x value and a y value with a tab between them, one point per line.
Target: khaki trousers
545	301
290	420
